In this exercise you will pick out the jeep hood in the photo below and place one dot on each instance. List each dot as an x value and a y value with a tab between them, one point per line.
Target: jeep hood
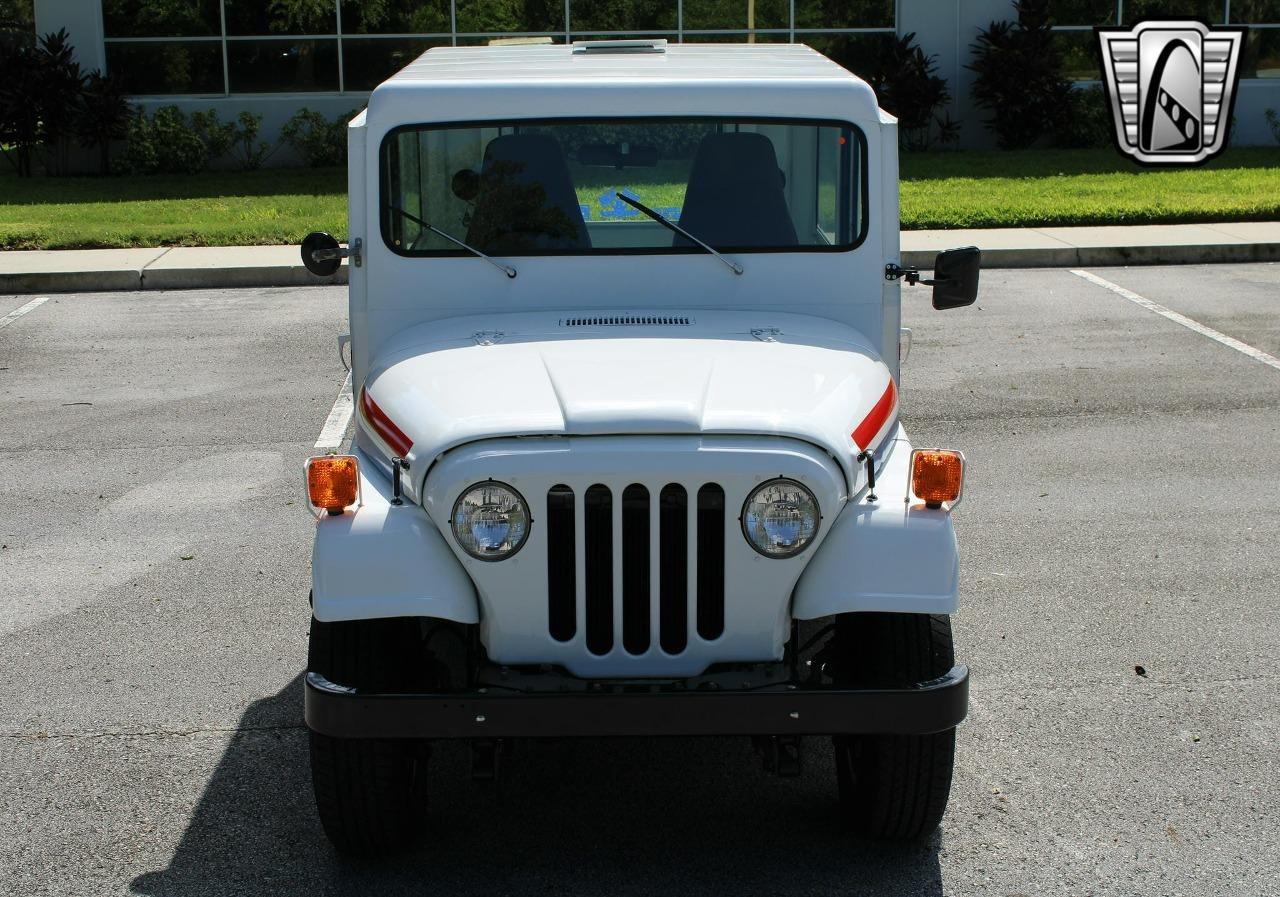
449	382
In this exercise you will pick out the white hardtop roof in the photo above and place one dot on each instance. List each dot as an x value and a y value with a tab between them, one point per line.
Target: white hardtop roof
791	78
679	62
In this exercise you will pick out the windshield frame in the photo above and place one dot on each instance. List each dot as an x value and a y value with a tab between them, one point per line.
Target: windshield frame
863	180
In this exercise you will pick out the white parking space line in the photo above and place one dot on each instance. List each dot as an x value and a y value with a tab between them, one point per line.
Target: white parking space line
1255	354
19	312
335	425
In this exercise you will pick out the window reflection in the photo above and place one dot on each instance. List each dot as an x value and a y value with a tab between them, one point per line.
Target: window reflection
146	18
295	46
160	67
253	17
283	66
395	17
368	62
639	15
727	14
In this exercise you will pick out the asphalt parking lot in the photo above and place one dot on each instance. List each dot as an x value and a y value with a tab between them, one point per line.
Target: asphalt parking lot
1122	511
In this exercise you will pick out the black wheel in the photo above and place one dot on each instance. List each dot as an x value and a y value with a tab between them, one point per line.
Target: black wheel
893	787
370	793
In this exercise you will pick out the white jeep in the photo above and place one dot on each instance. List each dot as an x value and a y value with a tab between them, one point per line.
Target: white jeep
625	340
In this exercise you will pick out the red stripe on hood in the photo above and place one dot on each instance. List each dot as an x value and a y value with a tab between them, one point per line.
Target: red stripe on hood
879	416
384	426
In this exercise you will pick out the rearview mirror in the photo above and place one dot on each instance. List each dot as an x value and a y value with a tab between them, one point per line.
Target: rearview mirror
955	277
321	254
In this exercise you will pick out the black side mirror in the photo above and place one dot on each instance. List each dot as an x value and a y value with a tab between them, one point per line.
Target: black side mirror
321	254
955	277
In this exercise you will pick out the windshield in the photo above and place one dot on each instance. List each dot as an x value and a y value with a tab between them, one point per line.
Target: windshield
559	187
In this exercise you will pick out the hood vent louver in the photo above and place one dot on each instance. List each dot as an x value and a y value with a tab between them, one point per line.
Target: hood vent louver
628	321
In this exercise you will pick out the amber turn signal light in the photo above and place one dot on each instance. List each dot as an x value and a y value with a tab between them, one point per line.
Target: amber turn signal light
937	476
333	482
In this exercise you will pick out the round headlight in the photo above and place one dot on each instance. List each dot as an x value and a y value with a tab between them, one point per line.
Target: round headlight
490	521
780	518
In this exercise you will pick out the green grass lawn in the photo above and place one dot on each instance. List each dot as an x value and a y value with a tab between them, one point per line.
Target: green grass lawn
660	188
1066	187
209	209
939	190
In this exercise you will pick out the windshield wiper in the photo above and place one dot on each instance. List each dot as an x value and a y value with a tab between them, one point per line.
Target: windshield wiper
505	269
671	225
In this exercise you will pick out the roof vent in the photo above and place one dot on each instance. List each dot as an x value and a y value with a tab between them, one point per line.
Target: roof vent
629	321
520	41
654	45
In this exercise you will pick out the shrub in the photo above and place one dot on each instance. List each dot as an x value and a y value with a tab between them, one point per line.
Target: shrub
216	136
181	150
170	143
20	127
166	143
58	97
245	149
46	101
141	155
103	116
1087	122
40	91
318	140
906	83
1020	78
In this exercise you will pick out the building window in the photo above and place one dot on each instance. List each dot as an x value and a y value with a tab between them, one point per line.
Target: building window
1074	21
223	47
1261	57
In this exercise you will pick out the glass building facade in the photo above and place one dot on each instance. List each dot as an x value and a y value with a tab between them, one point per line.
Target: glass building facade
1074	21
272	57
230	47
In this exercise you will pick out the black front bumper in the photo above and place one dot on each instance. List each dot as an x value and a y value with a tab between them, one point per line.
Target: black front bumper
776	710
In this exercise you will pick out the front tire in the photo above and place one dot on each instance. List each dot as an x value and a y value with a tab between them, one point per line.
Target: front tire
371	793
893	787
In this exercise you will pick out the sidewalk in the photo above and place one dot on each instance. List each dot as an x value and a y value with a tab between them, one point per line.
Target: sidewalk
91	270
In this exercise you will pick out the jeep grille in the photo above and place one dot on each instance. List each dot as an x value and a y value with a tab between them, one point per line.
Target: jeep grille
631	552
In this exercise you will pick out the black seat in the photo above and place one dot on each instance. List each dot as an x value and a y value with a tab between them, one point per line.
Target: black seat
734	197
526	201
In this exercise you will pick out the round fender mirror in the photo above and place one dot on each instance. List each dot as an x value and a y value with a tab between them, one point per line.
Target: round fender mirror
321	254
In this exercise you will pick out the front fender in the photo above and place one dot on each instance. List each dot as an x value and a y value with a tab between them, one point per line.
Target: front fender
885	555
382	560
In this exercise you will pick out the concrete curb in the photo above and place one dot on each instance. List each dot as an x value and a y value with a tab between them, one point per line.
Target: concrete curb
1105	256
190	268
168	279
215	278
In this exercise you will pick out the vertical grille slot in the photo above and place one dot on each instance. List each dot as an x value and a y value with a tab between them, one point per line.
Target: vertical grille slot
673	565
598	549
562	578
710	561
635	569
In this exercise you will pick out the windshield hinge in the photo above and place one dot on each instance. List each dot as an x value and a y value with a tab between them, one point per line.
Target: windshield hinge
910	273
893	272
